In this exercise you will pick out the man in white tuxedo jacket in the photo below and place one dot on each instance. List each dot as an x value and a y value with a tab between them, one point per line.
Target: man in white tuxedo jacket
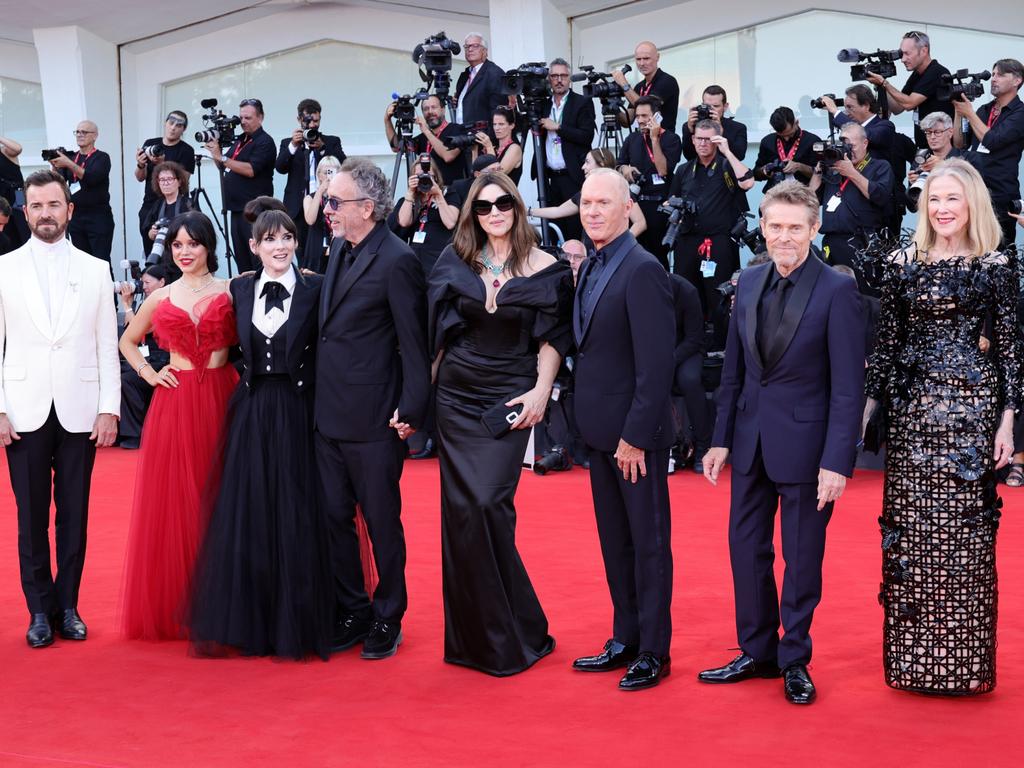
60	397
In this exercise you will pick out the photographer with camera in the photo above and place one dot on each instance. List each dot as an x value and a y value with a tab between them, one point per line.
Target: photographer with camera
861	107
656	82
855	189
938	130
920	94
479	89
786	154
299	157
167	148
713	187
248	166
435	130
424	218
714	104
314	209
88	177
170	184
996	133
505	145
567	134
647	159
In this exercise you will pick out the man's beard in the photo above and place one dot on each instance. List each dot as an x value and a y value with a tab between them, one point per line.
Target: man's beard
434	122
58	234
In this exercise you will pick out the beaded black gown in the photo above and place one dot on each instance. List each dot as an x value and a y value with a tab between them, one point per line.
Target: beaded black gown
943	400
493	621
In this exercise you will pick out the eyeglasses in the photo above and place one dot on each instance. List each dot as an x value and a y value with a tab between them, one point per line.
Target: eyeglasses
82	133
558	77
702	139
467	46
483	207
171	180
335	202
937	131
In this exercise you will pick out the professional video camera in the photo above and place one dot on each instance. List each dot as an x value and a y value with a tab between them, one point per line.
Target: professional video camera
467	136
914	193
832	151
682	217
600	85
434	56
530	81
775	171
881	63
53	154
218	126
819	103
742	235
404	113
952	87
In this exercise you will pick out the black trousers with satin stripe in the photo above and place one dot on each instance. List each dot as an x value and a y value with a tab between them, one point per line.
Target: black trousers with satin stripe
70	457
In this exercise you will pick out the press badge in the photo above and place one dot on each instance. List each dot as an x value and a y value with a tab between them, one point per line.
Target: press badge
75	186
707	268
419	237
656	179
833	203
982	149
144	350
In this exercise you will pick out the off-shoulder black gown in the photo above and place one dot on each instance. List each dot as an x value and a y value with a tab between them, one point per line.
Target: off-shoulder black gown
493	619
943	399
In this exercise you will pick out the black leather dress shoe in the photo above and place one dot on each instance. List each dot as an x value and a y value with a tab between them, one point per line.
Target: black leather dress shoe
71	626
798	685
383	640
350	631
40	633
646	671
743	667
426	452
614	656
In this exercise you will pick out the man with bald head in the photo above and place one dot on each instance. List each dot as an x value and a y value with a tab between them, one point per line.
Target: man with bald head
87	173
622	320
656	82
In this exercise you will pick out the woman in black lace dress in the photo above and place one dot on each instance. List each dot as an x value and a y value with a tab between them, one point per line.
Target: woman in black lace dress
950	417
500	312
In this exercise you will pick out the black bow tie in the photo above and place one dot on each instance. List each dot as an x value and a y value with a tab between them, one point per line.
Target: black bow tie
276	294
598	257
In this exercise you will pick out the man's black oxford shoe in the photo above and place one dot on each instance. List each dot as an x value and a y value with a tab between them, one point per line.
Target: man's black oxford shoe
743	667
71	626
383	640
646	671
615	655
798	685
350	631
40	633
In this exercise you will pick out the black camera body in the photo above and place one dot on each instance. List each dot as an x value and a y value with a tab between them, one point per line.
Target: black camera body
156	252
881	63
530	81
557	459
832	151
600	85
969	85
819	103
703	112
682	217
309	134
742	235
53	154
434	54
154	152
775	171
404	113
217	126
467	137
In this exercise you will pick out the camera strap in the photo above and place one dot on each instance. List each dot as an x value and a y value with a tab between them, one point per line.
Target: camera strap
787	156
242	143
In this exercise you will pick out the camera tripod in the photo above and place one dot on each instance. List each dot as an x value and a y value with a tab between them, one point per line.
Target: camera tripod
610	134
531	108
222	222
406	150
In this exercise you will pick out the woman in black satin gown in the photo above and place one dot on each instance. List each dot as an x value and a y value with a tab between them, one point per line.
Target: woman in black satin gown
500	324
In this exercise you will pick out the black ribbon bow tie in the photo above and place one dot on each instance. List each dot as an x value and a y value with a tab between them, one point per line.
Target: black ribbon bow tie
597	257
276	294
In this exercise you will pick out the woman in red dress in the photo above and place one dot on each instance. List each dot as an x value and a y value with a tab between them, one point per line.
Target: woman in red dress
194	319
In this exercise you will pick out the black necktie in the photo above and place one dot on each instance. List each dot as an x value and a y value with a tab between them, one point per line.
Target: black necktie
276	294
773	315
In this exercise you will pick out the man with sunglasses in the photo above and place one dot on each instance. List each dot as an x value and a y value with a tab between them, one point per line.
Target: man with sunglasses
171	148
248	166
920	93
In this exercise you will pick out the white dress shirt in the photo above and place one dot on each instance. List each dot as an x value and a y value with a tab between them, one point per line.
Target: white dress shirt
51	261
269	324
553	142
473	72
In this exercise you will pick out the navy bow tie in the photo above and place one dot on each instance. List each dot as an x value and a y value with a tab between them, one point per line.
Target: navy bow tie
276	294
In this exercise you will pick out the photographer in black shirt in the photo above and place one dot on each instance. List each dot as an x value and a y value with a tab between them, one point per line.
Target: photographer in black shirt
786	154
657	82
434	130
248	166
170	181
424	218
938	131
169	148
921	89
714	104
87	173
647	159
997	136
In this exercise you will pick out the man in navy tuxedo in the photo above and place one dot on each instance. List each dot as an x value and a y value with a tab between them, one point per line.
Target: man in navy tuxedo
623	320
789	411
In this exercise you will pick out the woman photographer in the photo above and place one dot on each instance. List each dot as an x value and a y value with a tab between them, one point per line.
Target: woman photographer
505	145
318	236
424	218
170	182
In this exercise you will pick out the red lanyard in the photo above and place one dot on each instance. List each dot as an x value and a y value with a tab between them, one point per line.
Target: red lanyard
993	115
860	167
242	143
649	149
642	90
787	156
423	216
440	128
84	159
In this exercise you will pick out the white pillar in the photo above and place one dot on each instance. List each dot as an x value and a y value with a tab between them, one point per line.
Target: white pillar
527	30
80	78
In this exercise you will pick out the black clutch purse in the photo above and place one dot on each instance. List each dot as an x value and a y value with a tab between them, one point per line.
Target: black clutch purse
876	431
498	419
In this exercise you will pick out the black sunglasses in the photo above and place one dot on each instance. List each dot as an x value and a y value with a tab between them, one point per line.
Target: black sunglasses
483	207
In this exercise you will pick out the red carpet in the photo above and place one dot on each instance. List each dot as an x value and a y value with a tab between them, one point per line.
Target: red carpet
106	702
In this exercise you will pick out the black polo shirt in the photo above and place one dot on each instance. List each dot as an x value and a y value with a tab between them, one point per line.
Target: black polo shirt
719	197
637	152
260	152
666	88
90	193
856	213
181	153
452	171
734	131
427	235
1000	152
799	148
927	84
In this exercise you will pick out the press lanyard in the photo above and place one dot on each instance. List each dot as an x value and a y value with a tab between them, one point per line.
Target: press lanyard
787	156
242	143
860	167
993	115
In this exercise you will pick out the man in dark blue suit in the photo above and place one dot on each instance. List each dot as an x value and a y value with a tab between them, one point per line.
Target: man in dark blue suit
623	321
789	410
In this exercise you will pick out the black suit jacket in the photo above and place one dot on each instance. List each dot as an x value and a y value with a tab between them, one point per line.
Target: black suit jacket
689	318
625	362
372	350
577	135
483	96
297	167
301	327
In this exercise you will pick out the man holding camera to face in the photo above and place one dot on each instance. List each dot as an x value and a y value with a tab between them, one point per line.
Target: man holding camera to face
298	157
788	153
167	148
434	132
656	82
938	131
714	104
248	166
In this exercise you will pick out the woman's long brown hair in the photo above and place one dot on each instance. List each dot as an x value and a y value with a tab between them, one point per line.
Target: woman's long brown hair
470	237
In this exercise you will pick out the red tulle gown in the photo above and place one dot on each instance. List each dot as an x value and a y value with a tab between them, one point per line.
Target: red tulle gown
177	462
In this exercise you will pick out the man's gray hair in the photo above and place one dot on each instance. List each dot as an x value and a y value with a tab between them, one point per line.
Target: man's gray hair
371	183
483	40
792	192
855	128
620	180
707	125
559	62
936	120
921	40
